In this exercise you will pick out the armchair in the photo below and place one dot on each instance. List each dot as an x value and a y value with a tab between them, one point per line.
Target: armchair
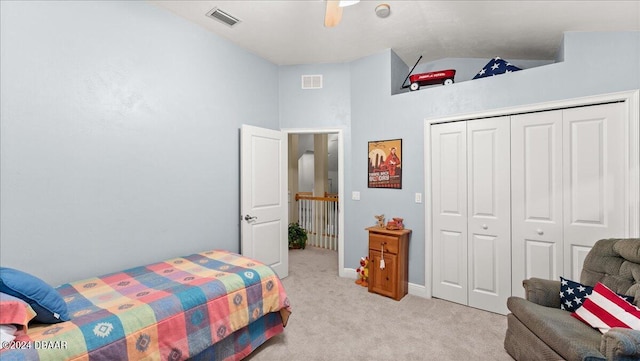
537	329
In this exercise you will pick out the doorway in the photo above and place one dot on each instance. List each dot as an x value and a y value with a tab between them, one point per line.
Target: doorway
303	146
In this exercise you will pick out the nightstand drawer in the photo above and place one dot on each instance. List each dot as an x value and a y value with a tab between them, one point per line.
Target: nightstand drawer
390	243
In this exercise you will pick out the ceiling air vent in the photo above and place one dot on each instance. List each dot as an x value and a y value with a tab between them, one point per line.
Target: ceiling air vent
312	82
222	16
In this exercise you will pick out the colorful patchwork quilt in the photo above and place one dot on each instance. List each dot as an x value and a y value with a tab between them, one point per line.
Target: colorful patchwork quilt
171	310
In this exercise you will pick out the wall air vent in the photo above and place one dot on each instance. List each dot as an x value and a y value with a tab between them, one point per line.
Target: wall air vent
222	16
312	82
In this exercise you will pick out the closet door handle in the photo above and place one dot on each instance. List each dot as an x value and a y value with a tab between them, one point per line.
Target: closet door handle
539	232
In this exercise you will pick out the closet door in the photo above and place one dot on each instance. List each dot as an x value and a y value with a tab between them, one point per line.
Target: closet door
489	213
449	194
594	159
536	203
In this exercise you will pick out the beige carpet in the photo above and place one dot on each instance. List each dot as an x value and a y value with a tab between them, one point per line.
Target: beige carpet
335	319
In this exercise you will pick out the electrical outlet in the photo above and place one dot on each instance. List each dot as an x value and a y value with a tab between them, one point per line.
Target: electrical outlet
418	197
355	196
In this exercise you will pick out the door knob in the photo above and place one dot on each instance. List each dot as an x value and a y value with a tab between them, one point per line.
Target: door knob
249	218
539	232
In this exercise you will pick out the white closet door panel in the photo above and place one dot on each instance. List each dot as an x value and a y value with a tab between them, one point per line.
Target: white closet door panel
536	203
449	195
451	272
541	260
594	186
578	254
489	221
485	272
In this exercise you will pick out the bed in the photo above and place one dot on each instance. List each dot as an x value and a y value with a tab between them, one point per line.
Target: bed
213	305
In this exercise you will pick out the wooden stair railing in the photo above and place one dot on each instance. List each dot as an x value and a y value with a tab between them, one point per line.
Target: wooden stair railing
319	217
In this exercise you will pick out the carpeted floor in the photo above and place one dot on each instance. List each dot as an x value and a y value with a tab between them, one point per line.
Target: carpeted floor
335	319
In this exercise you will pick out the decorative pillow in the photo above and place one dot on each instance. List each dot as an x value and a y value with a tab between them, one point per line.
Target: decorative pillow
496	66
604	309
45	301
573	294
7	333
15	311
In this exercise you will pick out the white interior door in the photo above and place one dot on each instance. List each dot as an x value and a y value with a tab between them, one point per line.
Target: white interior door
449	194
263	193
594	160
489	213
536	203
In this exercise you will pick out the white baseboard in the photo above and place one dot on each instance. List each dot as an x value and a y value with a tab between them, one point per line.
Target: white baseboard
349	273
419	290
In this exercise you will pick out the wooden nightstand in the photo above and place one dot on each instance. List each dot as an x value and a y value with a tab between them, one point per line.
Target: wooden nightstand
392	281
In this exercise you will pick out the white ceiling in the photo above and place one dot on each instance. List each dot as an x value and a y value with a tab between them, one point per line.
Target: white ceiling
289	32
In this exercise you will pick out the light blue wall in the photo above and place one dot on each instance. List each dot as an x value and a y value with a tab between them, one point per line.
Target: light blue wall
376	115
317	108
120	135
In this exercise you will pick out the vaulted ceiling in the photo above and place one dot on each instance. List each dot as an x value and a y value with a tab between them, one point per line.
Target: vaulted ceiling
292	31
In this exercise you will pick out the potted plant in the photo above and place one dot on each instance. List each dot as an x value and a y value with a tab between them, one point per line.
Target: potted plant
297	236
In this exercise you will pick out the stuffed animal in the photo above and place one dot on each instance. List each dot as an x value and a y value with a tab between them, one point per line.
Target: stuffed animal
380	219
363	272
395	224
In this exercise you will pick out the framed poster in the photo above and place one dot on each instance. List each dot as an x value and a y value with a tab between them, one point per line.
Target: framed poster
385	164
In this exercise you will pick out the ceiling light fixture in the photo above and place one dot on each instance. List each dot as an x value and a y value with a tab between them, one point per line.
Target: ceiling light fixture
344	3
383	10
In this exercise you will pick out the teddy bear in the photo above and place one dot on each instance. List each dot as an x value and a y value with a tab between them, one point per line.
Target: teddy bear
363	272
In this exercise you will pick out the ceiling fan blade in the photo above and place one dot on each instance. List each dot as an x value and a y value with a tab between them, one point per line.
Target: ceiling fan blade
333	13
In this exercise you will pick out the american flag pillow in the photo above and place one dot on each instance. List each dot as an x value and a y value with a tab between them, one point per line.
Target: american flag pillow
573	294
496	66
604	309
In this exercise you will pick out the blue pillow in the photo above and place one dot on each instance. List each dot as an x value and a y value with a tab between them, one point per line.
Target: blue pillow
45	301
572	294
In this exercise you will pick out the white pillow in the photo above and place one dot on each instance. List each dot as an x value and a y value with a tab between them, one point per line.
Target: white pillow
7	333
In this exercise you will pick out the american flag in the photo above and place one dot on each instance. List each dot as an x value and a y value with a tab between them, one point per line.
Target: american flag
496	66
573	294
